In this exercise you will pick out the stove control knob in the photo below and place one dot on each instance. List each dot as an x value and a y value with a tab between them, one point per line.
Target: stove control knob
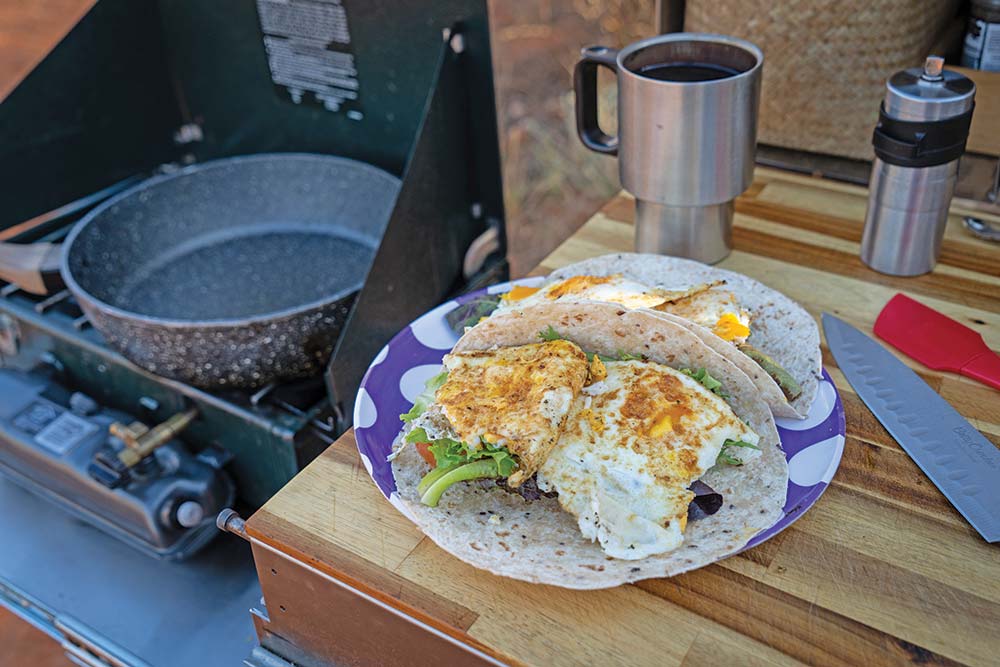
82	404
190	513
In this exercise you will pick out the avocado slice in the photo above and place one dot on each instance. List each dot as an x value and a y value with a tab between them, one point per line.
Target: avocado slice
788	385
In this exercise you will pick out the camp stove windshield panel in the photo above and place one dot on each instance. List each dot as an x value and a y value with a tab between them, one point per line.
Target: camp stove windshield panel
145	87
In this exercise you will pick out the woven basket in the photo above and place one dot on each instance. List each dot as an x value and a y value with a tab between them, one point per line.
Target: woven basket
825	61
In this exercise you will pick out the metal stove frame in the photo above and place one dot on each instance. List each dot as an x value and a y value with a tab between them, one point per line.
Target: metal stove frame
264	425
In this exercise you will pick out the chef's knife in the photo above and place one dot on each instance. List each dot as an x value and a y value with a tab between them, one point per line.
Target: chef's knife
962	463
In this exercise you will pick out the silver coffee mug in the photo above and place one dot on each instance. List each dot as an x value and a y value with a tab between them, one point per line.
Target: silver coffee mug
687	133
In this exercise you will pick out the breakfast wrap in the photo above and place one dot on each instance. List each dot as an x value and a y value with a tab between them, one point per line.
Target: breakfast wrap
764	333
586	445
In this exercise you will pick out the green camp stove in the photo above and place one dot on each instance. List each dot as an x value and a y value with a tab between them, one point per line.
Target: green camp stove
143	87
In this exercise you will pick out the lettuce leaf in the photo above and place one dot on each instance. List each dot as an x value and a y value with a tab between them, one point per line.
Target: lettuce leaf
448	452
729	459
454	464
425	398
706	380
417	435
549	334
506	464
468	314
456	460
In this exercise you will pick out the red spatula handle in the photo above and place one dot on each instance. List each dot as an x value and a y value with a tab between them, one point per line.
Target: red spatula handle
984	367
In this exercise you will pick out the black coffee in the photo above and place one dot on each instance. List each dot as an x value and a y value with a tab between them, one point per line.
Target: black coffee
687	71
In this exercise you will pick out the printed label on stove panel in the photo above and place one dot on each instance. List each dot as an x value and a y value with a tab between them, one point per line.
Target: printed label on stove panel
64	432
307	43
35	417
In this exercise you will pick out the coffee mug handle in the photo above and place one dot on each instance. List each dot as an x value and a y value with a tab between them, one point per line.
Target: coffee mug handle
585	85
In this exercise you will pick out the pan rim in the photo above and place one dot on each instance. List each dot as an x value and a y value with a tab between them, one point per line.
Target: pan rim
87	299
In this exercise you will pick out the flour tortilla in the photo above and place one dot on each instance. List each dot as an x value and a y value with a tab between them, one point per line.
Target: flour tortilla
768	389
780	328
538	541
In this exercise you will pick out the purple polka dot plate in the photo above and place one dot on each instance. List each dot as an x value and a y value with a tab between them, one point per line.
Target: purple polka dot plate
813	446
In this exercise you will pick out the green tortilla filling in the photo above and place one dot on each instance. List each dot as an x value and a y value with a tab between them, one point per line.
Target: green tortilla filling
425	398
706	380
468	314
729	459
457	462
789	387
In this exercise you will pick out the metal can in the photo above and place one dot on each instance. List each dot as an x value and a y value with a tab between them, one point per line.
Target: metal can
922	129
982	36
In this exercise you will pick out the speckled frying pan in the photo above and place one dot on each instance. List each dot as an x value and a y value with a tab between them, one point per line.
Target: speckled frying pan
231	273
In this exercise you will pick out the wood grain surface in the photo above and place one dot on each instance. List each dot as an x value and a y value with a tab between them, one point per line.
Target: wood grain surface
29	29
983	135
881	571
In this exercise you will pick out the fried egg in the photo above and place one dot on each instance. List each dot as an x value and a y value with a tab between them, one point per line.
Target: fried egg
516	397
709	304
632	445
715	309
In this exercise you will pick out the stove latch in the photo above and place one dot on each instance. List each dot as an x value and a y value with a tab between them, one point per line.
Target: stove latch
113	467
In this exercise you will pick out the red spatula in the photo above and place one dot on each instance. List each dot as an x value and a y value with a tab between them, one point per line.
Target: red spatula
937	341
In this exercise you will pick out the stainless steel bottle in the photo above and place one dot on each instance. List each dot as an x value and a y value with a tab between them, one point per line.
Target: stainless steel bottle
921	133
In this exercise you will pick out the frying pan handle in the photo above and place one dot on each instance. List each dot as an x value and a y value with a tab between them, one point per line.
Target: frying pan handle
33	267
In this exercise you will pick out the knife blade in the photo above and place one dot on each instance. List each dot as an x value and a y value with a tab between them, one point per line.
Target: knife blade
960	461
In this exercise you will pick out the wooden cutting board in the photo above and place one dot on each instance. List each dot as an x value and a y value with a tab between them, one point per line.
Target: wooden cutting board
882	570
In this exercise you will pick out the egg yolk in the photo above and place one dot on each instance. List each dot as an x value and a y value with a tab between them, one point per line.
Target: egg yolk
662	427
576	285
595	422
729	327
519	292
